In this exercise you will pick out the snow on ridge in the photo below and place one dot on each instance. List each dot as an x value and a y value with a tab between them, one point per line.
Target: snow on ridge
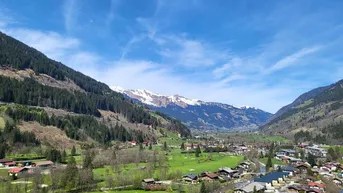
247	107
118	89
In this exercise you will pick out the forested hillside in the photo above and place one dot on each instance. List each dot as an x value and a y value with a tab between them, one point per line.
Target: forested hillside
318	112
86	101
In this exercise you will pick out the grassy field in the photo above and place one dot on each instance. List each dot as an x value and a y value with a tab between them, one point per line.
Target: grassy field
274	161
188	163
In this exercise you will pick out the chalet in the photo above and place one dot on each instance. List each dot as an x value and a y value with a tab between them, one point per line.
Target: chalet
209	176
190	178
227	172
4	161
302	167
44	164
250	188
17	172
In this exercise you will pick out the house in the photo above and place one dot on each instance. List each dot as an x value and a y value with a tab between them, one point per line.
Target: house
4	161
272	178
145	143
209	176
316	151
250	188
302	167
289	168
24	163
338	181
132	143
44	164
148	181
190	178
17	172
288	152
316	185
227	172
10	164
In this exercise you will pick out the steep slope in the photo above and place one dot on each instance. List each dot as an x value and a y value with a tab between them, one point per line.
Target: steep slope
28	77
199	114
317	111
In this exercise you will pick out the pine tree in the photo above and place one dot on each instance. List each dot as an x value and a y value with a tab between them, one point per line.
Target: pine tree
255	190
183	146
269	164
141	148
64	156
203	188
150	146
311	159
197	151
73	151
87	162
165	146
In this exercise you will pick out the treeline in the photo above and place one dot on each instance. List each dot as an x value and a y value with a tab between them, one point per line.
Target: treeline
77	127
11	136
335	130
303	136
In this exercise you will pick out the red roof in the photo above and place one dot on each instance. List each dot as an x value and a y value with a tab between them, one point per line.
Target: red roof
316	184
15	170
10	163
5	160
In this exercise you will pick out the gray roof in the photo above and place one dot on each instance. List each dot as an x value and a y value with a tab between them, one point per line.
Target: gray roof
250	187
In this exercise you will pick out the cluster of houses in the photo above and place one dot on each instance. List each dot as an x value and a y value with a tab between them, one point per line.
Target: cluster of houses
223	174
284	180
18	169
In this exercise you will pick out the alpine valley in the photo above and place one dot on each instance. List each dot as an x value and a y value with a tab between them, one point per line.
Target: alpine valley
197	114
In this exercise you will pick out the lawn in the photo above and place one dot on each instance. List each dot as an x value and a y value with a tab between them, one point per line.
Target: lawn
188	163
274	161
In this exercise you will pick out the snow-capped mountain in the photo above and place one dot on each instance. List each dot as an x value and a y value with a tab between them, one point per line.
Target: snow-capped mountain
198	114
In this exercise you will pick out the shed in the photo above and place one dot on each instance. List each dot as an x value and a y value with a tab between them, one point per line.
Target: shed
4	161
44	164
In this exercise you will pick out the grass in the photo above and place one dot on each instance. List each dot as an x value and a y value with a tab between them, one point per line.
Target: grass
2	123
306	103
131	191
274	161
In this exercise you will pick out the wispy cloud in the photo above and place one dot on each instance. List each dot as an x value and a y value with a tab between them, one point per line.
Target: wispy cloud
291	59
70	13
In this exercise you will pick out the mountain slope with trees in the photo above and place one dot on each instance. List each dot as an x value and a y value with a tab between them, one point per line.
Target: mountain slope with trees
41	87
315	115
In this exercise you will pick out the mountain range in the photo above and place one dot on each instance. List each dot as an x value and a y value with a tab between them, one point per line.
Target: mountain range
198	114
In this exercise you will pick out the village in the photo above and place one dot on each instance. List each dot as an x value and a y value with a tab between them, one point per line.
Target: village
267	167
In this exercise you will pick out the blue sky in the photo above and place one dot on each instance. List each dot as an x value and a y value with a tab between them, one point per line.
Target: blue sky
255	53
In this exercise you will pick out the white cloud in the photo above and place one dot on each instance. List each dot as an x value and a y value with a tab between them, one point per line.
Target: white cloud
291	59
224	69
51	43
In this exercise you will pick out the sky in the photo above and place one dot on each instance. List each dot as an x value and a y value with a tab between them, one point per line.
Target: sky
256	53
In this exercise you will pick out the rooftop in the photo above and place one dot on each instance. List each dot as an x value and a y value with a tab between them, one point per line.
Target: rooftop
271	176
